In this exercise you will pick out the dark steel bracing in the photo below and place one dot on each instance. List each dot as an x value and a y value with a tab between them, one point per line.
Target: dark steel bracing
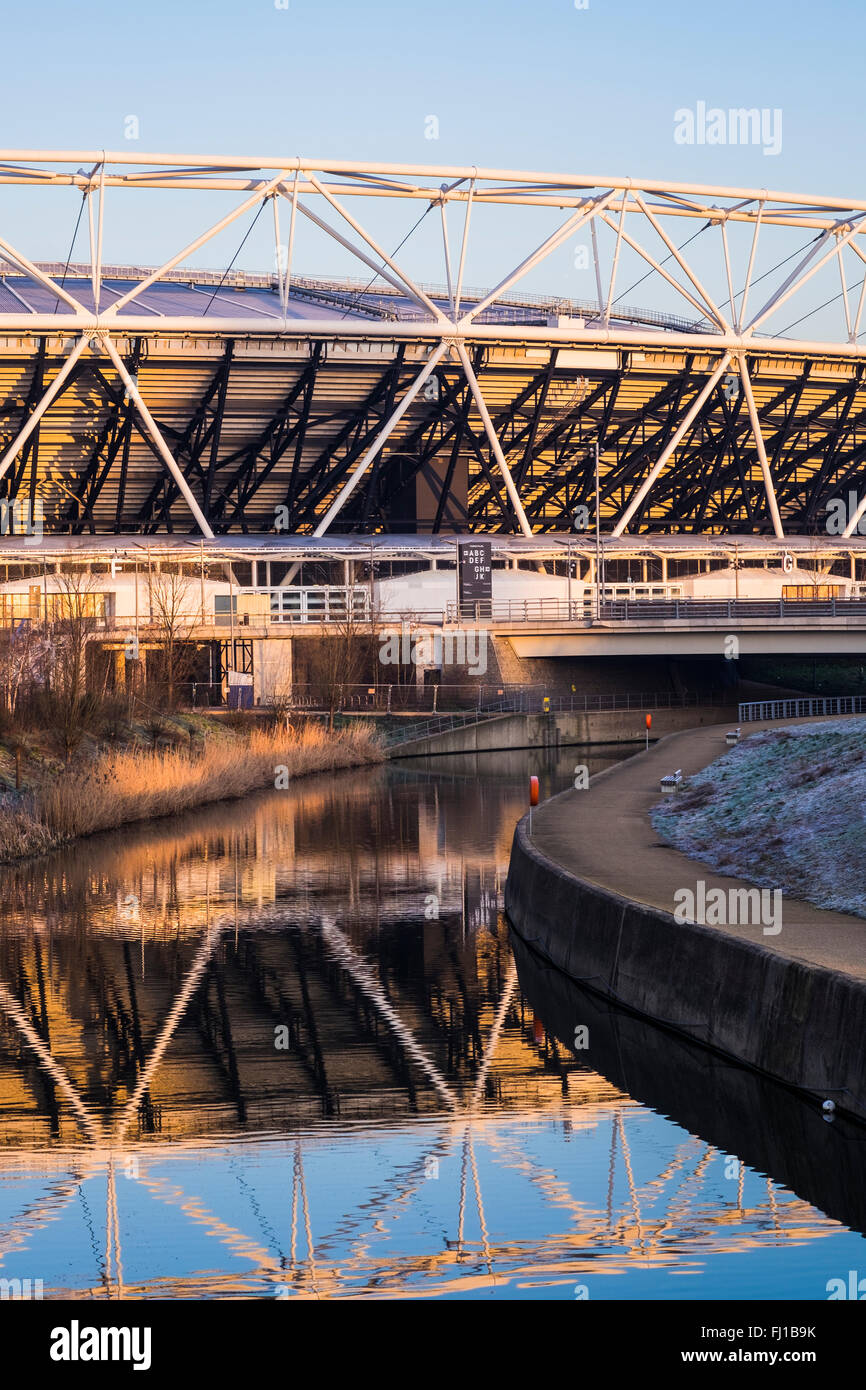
265	435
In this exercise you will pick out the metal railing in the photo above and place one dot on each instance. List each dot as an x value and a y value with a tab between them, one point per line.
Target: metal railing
801	707
327	606
442	724
443	700
531	702
690	609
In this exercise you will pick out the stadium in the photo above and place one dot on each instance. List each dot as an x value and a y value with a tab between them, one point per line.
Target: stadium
275	452
139	400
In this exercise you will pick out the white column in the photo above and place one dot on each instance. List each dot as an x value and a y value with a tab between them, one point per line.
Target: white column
685	424
762	452
154	432
349	486
491	435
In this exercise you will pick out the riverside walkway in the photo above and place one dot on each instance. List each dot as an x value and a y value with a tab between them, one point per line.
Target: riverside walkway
604	836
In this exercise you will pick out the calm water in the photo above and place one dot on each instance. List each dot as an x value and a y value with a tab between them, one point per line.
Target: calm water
288	1048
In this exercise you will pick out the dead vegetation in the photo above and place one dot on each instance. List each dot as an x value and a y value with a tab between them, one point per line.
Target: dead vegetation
120	786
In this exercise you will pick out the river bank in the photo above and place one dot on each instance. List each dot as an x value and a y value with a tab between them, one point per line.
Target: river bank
121	786
784	809
594	891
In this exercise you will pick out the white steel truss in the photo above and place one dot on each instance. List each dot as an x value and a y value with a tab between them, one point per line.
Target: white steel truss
713	283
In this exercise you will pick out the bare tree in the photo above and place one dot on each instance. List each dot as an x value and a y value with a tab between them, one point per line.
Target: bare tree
174	612
73	613
25	662
345	657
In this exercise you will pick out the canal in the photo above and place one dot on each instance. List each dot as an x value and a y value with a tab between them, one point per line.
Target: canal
287	1047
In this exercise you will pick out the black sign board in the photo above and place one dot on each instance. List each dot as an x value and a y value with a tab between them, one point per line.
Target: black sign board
475	572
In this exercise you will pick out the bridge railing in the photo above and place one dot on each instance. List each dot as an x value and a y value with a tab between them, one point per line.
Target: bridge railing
801	707
696	609
338	611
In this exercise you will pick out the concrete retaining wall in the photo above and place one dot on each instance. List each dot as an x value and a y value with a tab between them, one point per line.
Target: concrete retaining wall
548	730
799	1023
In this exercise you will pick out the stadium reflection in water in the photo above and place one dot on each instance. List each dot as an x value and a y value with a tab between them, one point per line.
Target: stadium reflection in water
287	1048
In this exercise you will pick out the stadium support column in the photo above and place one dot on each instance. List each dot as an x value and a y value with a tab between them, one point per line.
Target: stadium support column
493	438
685	424
761	450
381	438
155	434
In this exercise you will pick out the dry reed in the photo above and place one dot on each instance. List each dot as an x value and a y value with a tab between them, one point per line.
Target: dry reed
121	787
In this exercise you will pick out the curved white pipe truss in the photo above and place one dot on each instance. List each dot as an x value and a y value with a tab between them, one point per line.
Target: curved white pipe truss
728	274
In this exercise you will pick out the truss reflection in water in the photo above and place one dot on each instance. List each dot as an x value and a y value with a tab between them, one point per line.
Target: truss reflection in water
417	1134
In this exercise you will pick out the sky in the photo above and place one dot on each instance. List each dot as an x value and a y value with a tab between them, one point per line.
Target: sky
582	86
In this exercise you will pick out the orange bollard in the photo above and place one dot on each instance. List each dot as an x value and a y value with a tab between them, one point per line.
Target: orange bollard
533	798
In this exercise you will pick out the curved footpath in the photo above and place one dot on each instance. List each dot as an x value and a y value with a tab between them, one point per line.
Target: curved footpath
594	888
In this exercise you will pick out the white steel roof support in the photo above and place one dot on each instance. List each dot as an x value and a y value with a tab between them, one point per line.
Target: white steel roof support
463	244
287	285
748	281
762	452
50	395
615	265
492	436
446	251
846	306
855	331
155	434
96	236
410	285
727	256
193	165
258	197
593	231
22	262
397	284
691	414
796	280
572	224
658	267
683	264
394	419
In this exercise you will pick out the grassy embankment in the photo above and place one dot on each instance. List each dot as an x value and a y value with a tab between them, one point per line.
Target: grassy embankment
119	786
783	809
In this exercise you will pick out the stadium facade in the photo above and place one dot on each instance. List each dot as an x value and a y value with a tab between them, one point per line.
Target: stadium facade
148	400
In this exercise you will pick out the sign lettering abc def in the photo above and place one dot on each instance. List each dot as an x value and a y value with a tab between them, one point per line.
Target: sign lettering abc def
476	572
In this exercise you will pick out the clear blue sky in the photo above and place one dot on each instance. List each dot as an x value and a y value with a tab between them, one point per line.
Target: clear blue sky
539	86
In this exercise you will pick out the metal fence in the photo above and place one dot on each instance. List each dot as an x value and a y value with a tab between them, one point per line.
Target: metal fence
531	702
801	707
630	610
514	699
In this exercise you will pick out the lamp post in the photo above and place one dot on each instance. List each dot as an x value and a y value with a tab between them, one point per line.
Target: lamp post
599	552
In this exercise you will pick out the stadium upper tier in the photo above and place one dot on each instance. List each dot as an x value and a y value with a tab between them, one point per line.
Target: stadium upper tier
243	296
140	399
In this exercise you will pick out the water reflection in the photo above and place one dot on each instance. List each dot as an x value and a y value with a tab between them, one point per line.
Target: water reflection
284	1048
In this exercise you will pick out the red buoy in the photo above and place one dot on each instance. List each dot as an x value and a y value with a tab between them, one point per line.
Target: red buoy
533	791
649	721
